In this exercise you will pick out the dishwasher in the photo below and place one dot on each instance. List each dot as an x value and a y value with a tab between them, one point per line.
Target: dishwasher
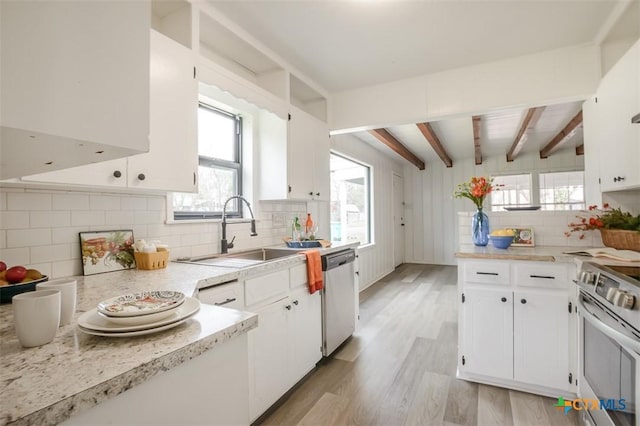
338	299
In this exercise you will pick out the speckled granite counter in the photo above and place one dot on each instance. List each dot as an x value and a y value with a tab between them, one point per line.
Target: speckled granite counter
540	254
76	371
46	385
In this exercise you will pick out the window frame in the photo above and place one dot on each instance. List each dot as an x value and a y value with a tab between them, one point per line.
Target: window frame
368	192
211	162
581	205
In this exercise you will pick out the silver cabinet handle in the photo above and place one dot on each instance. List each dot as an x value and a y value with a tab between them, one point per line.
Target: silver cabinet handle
229	300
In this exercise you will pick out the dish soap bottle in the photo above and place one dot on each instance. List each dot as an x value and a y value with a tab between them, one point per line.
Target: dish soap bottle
308	225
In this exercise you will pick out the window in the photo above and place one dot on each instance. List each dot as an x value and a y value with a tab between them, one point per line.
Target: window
562	191
219	169
515	192
350	200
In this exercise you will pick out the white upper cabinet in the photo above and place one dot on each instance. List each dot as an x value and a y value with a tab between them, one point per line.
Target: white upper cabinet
75	83
294	157
172	162
609	133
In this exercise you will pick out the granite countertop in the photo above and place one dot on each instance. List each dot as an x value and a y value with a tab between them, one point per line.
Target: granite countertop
48	384
540	253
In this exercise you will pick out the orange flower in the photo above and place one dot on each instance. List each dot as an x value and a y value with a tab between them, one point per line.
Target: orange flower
476	190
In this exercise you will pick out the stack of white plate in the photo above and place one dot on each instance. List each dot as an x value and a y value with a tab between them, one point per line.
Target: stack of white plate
137	314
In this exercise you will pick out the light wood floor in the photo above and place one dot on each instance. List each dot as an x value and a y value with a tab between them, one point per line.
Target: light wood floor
399	367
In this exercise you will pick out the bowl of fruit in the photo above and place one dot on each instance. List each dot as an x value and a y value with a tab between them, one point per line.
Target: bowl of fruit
502	238
16	280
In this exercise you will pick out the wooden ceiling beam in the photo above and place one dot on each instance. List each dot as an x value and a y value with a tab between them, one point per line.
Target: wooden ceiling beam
389	140
476	139
432	138
530	121
564	135
580	149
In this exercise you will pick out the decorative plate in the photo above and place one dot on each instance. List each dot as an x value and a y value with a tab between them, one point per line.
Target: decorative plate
95	322
143	303
8	291
134	333
140	319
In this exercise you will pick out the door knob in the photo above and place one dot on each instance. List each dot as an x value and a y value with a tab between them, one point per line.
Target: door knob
504	299
523	301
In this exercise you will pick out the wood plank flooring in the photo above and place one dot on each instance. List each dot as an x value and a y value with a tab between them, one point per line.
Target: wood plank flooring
399	367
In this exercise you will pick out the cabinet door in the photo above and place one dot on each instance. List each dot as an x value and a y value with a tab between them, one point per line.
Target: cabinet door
305	332
172	162
487	316
541	338
78	71
269	357
321	183
618	100
300	154
592	131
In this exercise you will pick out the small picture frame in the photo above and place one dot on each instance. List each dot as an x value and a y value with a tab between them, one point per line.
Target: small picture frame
523	237
107	251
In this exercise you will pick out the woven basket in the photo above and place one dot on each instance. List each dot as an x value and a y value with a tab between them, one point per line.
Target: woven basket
621	239
148	261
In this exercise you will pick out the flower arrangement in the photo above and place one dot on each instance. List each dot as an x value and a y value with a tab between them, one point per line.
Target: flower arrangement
606	218
476	190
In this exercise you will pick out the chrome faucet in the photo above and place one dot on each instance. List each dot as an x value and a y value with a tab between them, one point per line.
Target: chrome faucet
224	245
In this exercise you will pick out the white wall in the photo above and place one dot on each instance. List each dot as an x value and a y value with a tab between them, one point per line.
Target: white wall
39	227
375	261
555	76
432	211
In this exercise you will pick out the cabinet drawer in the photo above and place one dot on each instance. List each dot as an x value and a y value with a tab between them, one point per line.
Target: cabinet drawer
487	272
298	276
227	295
266	287
542	274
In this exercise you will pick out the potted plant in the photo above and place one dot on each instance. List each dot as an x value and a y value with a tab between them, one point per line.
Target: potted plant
620	230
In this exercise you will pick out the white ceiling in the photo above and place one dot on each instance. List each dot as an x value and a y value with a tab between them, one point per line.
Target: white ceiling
346	44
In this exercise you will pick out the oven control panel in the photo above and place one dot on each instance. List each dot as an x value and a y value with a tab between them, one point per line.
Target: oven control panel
610	290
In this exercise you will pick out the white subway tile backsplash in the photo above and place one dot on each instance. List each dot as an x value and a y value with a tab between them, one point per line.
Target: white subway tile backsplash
134	203
51	253
28	201
70	202
50	219
46	223
148	217
67	235
157	203
15	256
87	218
120	217
28	237
104	202
14	219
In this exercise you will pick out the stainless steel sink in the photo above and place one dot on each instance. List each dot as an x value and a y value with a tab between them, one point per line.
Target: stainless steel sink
240	259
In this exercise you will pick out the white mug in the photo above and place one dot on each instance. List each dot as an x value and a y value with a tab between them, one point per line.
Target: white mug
67	289
36	315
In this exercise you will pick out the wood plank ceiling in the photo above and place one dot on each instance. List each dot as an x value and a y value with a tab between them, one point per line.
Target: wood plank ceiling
546	129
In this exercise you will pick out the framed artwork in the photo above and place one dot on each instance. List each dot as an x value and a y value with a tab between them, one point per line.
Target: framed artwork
523	237
107	251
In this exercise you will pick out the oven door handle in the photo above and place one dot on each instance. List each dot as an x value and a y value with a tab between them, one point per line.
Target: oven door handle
623	340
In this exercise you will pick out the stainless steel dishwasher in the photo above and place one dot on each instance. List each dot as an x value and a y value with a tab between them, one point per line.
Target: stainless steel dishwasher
338	299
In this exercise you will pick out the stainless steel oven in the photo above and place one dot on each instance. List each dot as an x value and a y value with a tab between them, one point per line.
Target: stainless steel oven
609	346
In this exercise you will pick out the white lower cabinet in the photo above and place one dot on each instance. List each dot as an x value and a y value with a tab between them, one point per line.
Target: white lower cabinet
286	345
515	332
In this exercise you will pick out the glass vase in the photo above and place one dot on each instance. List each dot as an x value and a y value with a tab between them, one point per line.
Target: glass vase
480	228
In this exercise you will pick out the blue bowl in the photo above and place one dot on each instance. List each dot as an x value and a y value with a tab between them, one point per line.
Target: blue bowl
501	242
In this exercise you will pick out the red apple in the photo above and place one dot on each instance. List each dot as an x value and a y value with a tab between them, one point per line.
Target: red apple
16	274
3	266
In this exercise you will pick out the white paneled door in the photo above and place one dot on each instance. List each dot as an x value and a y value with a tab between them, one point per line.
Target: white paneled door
398	220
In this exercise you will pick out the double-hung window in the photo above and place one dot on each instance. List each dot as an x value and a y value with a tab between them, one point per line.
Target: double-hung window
514	190
219	167
562	191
